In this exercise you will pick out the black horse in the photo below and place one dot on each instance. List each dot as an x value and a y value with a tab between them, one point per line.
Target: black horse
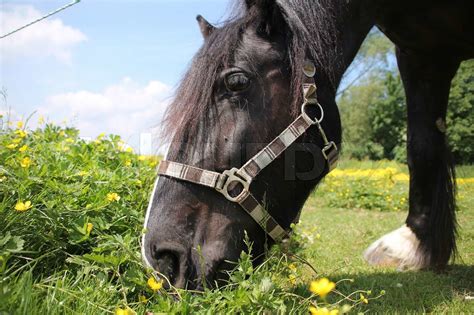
244	88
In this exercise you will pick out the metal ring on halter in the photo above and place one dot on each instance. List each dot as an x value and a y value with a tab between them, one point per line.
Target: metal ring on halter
309	119
231	177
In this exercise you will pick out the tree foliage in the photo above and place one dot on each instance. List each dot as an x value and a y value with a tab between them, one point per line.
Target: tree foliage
387	118
460	116
373	108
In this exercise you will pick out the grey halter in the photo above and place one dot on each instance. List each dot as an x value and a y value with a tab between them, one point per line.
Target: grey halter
243	177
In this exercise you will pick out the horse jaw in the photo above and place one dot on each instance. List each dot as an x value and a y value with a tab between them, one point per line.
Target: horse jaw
399	248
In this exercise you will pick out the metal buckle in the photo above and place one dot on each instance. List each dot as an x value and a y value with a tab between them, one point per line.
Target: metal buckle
330	153
309	119
231	177
309	69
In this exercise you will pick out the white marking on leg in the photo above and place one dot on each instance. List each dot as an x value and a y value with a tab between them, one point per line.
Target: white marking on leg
147	216
399	248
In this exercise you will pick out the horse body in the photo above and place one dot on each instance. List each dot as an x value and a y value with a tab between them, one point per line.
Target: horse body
243	88
429	27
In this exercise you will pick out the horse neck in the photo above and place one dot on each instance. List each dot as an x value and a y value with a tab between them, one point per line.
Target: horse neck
354	20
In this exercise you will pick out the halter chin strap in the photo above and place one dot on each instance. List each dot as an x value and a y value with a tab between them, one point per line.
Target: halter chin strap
240	179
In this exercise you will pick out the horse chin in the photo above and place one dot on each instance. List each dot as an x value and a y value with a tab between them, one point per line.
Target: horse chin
399	248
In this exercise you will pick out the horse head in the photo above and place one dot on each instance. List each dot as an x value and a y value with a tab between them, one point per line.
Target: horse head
242	90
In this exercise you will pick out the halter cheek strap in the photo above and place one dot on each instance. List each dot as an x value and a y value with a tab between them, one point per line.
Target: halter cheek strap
228	181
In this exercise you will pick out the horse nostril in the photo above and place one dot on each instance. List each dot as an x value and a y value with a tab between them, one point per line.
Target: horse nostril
167	263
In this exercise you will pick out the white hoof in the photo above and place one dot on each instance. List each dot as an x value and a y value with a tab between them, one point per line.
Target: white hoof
399	248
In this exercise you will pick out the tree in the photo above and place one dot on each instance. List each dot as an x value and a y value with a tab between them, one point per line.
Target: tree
357	131
374	57
374	119
387	117
460	116
373	108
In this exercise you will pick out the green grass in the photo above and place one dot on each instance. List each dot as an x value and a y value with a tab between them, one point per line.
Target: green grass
76	250
345	235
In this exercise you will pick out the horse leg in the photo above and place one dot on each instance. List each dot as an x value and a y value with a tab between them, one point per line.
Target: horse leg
428	239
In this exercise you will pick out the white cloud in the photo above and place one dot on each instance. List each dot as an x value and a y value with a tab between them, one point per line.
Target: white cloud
48	38
125	108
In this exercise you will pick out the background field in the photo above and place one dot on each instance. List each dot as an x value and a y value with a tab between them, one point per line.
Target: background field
75	249
346	233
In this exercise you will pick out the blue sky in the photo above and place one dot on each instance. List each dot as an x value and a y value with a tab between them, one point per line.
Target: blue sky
105	66
102	65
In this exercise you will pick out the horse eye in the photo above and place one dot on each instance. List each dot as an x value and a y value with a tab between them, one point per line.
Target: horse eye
237	82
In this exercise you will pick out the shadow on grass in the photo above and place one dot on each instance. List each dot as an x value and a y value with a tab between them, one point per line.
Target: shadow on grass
414	292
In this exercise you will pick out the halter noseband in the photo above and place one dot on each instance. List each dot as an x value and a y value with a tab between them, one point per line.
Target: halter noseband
228	180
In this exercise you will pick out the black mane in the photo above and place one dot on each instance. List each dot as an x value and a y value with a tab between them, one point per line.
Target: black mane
312	33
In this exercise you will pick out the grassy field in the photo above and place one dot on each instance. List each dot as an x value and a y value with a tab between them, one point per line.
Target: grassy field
72	214
344	236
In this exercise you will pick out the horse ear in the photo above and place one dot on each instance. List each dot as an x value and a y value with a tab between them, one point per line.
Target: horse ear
205	26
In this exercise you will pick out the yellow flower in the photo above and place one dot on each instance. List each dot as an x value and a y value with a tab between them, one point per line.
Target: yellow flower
154	285
124	311
12	146
23	148
19	124
465	180
128	163
142	158
121	146
16	140
322	311
129	149
113	197
62	133
23	206
21	133
292	279
322	287
292	267
82	173
89	227
364	299
25	162
142	299
69	140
